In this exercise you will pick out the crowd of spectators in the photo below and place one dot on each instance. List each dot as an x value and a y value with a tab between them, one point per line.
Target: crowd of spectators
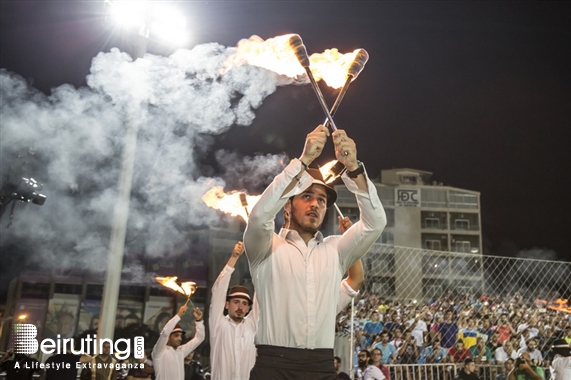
450	329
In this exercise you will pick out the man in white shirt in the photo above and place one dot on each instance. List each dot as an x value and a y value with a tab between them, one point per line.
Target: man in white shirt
232	349
367	370
168	353
561	365
505	352
534	353
297	277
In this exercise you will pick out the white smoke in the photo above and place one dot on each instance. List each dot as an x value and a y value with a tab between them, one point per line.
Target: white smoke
76	135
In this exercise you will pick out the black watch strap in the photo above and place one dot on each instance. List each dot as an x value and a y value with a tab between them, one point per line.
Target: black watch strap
355	173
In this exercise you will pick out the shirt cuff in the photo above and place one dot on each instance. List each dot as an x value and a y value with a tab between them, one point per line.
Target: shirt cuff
350	291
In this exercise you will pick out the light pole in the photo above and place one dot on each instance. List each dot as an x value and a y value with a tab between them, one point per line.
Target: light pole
148	22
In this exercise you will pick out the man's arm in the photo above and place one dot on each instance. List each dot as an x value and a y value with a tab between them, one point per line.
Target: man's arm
220	288
191	345
161	344
355	243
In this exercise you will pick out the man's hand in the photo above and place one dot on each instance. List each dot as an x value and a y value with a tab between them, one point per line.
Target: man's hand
314	143
238	250
344	224
182	310
197	314
345	150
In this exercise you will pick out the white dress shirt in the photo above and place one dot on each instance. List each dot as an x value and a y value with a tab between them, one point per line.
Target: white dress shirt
502	356
232	351
561	368
370	373
168	362
297	284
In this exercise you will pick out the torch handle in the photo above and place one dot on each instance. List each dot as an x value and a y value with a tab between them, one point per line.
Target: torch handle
338	210
339	99
320	98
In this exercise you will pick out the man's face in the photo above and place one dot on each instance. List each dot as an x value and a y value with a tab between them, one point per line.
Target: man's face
175	339
531	345
237	308
508	346
471	367
106	348
459	346
363	359
398	333
385	338
509	366
336	364
308	209
376	355
448	315
436	345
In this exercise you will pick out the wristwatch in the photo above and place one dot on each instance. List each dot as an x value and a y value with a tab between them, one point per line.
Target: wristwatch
355	173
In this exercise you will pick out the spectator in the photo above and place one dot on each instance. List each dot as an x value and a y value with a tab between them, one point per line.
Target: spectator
102	366
534	354
398	339
340	374
376	359
505	352
468	372
408	352
504	328
508	367
469	334
448	330
367	371
19	366
480	352
371	328
458	353
388	351
494	342
435	353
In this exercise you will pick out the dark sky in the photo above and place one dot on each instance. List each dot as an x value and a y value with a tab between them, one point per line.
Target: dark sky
479	93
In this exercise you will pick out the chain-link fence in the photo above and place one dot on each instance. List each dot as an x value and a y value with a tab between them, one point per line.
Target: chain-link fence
485	301
402	273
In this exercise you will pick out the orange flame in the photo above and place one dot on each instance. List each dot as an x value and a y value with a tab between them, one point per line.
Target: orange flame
557	305
328	174
229	203
275	54
187	288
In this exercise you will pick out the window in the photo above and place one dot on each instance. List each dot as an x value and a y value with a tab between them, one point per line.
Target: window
408	179
388	238
432	223
462	224
462	246
432	244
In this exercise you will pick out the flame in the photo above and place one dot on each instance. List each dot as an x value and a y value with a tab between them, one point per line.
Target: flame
331	171
229	202
275	54
332	66
557	305
187	288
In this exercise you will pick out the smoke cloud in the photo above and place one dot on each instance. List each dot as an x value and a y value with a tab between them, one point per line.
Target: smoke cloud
72	140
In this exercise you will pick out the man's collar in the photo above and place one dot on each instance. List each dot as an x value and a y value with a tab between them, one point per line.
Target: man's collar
291	235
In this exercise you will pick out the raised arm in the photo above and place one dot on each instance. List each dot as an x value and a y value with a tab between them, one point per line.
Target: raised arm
220	288
356	241
198	337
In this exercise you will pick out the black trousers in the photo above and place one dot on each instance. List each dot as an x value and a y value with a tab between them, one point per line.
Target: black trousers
284	363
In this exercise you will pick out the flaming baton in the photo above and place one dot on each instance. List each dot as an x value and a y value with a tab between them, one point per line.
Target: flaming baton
187	288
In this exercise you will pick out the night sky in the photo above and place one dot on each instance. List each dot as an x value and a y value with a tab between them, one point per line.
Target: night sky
479	93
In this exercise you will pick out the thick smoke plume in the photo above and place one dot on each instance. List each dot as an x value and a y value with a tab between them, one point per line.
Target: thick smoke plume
71	141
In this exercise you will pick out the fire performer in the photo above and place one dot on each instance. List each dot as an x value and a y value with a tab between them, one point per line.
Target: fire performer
297	277
168	353
232	352
561	365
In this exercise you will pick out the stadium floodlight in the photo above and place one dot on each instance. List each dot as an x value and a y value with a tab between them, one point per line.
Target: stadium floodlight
155	20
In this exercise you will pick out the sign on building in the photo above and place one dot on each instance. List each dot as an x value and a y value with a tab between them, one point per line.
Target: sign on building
407	197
